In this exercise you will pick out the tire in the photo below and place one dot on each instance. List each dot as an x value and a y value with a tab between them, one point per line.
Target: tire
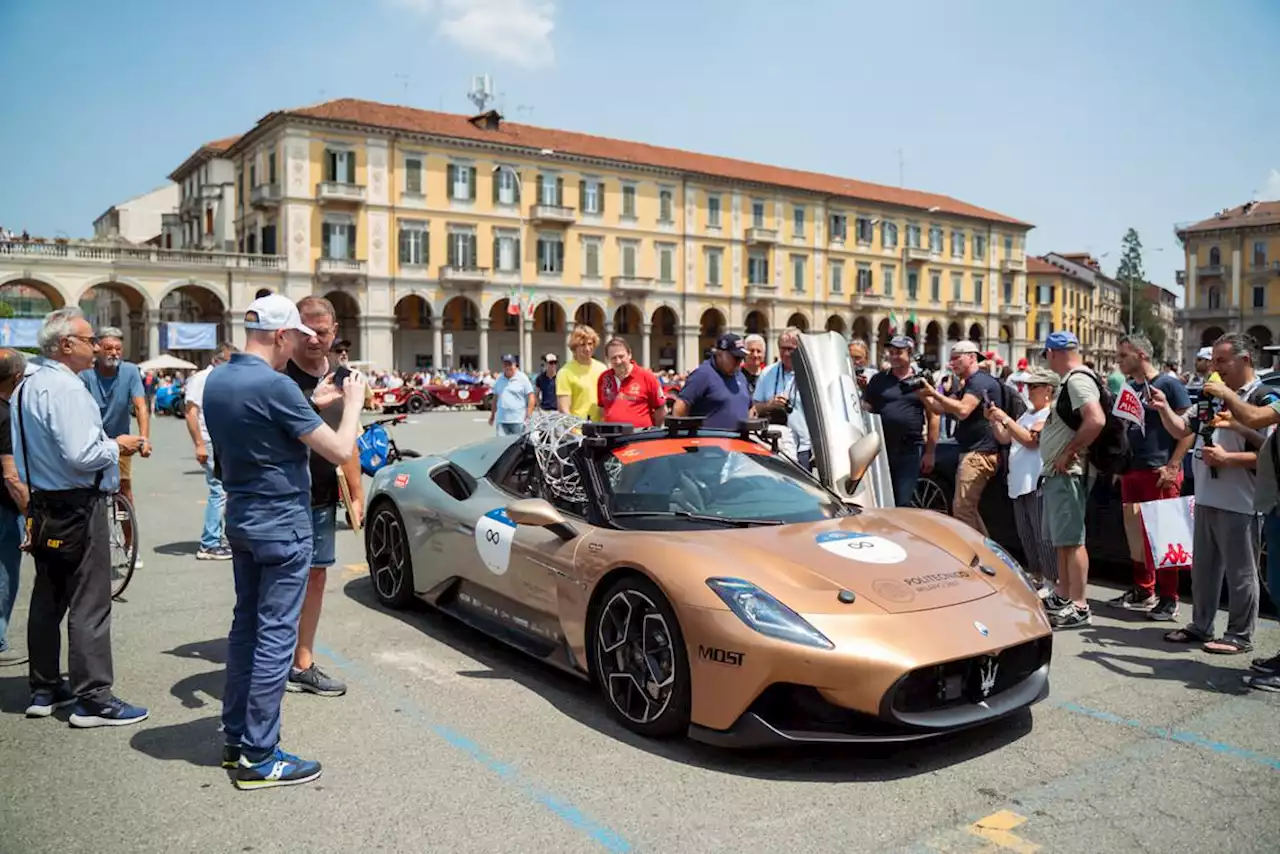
931	494
615	644
415	404
123	560
386	548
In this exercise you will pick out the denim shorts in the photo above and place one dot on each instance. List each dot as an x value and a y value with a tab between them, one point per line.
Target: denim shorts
324	533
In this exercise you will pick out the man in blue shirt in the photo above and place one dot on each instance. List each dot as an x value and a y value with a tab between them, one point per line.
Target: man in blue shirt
70	466
546	383
513	398
261	427
716	390
777	398
116	386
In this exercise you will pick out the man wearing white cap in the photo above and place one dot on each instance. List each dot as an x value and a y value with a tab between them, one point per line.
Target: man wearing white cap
1204	364
261	426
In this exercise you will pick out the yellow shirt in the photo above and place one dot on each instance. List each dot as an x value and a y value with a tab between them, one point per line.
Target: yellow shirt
578	382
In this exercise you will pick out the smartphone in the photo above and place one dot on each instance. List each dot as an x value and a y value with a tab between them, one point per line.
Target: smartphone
340	375
1146	392
986	399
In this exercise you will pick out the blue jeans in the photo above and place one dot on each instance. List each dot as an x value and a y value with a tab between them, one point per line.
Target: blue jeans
1271	536
904	472
11	530
271	579
324	536
513	429
214	509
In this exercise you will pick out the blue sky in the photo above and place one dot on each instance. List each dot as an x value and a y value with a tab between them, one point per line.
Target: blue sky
1083	117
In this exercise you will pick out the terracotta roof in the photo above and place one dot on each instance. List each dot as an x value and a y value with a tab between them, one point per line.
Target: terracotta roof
368	113
1039	266
203	153
1252	214
222	144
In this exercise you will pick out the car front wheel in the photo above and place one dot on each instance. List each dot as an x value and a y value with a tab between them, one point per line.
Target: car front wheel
639	659
386	547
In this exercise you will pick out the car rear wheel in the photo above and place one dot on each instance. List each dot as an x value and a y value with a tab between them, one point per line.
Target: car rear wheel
386	547
639	659
930	495
416	404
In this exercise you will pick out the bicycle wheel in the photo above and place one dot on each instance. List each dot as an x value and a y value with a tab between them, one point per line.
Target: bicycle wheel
119	513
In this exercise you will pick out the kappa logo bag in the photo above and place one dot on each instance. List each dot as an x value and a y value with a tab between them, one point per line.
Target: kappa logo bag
1110	452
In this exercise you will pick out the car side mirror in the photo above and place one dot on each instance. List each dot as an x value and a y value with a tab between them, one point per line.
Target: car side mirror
539	513
862	454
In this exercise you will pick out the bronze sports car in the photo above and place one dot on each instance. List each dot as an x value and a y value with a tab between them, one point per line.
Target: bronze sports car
711	587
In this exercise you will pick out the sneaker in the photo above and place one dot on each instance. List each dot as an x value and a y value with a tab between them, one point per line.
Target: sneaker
1134	599
313	680
12	658
215	553
231	755
276	769
137	564
1165	611
1269	682
114	712
45	700
1055	604
1267	666
1044	591
1072	618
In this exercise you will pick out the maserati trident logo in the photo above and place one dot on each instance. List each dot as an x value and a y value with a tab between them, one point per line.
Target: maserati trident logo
982	630
987	674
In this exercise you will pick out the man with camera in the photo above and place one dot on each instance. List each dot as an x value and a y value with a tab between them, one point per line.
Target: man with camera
979	451
903	418
777	398
1227	528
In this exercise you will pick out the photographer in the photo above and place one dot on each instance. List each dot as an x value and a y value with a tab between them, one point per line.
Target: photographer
777	399
902	413
1225	539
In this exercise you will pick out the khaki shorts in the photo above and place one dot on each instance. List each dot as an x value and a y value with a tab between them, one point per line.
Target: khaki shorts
126	467
1065	499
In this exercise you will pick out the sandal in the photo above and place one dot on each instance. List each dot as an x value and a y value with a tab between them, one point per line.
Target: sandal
1185	636
1228	646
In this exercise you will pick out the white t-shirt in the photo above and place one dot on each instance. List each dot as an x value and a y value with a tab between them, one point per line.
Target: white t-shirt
1024	462
195	394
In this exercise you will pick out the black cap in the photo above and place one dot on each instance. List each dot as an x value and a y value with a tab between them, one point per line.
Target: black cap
731	342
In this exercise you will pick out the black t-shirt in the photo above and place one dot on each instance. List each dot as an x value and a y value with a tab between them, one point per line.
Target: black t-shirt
6	449
974	433
901	412
1153	447
546	392
751	380
324	474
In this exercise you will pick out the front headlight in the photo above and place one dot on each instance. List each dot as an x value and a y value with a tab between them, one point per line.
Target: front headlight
766	614
1007	560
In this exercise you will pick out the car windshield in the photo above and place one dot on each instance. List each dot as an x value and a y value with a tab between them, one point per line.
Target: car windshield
707	480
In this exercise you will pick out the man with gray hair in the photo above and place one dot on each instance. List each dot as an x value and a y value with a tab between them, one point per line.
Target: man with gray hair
70	466
116	386
754	363
13	506
777	398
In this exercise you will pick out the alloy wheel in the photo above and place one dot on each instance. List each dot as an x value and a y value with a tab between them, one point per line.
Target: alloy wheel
929	496
636	656
387	551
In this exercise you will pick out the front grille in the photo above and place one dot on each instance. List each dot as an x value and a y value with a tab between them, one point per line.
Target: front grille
969	680
802	709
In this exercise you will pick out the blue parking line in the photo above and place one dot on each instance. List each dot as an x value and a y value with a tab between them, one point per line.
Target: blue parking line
1181	736
562	809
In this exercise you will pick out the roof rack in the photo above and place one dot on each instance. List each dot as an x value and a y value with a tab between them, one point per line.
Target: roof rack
677	424
601	434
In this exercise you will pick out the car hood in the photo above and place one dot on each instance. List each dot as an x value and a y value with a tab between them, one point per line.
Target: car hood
899	560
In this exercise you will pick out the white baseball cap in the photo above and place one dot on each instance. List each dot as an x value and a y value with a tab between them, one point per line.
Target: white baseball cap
272	313
1204	353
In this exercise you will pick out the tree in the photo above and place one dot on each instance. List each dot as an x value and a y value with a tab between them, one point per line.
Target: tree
1135	302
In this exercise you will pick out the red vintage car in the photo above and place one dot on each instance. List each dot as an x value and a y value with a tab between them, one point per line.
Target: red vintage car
415	399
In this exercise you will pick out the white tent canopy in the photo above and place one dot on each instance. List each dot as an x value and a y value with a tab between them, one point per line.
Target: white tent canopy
166	362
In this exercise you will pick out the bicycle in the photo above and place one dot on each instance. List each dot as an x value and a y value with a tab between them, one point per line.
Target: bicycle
123	558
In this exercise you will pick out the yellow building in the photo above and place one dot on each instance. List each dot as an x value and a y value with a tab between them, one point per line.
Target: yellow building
448	240
1069	291
1231	276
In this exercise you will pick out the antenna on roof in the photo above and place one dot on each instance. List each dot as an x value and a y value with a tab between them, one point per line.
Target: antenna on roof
523	108
481	92
901	182
405	79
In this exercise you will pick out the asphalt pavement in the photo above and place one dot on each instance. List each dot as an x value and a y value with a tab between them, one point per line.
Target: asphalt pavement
447	741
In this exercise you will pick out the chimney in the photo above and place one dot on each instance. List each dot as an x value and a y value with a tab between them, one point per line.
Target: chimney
488	120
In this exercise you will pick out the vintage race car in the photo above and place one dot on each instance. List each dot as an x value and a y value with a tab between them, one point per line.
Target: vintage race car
415	399
709	586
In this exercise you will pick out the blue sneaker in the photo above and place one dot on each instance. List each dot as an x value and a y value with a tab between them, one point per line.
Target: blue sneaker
231	755
45	700
277	769
114	712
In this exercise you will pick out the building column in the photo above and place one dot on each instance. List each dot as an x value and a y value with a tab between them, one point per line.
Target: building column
690	357
569	326
137	328
608	330
646	340
483	324
153	335
526	342
1190	296
1235	279
437	343
873	341
377	341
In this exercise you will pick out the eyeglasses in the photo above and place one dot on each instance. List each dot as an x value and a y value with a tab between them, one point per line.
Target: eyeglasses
787	349
91	340
341	351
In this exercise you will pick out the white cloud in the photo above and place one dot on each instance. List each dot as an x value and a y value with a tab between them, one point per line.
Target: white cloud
517	31
1270	191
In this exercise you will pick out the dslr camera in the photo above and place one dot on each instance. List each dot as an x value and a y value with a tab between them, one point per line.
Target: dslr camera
914	383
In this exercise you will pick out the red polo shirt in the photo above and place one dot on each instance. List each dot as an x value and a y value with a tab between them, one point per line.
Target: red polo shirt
634	402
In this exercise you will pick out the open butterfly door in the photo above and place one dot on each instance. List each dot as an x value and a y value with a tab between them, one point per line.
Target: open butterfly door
833	409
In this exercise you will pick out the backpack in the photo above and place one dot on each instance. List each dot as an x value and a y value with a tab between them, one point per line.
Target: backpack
1110	452
373	444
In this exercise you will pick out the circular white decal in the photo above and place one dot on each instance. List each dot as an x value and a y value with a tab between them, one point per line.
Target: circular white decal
463	394
493	540
867	548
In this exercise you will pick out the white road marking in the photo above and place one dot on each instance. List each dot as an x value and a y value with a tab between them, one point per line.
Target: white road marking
425	667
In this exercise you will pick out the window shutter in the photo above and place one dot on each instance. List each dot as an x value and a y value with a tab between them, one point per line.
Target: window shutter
351	167
324	240
515	190
600	197
541	247
474	259
582	196
451	178
497	185
538	198
559	192
426	247
496	256
516	252
351	242
559	256
404	246
453	252
471	183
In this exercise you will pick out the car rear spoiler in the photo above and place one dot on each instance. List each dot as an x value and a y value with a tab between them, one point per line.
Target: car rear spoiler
833	410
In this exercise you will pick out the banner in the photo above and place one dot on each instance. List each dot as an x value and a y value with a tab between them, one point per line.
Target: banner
1128	407
20	331
1169	524
189	336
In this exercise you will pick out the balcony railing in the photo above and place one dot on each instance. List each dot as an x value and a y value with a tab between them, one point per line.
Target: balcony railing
189	205
959	306
339	191
872	299
762	291
552	214
1013	265
264	195
210	191
341	267
1181	278
464	275
916	254
93	253
756	234
1013	310
1263	267
1208	270
1201	312
634	284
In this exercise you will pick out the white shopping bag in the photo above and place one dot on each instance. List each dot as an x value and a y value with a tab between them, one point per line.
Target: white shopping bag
1168	523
